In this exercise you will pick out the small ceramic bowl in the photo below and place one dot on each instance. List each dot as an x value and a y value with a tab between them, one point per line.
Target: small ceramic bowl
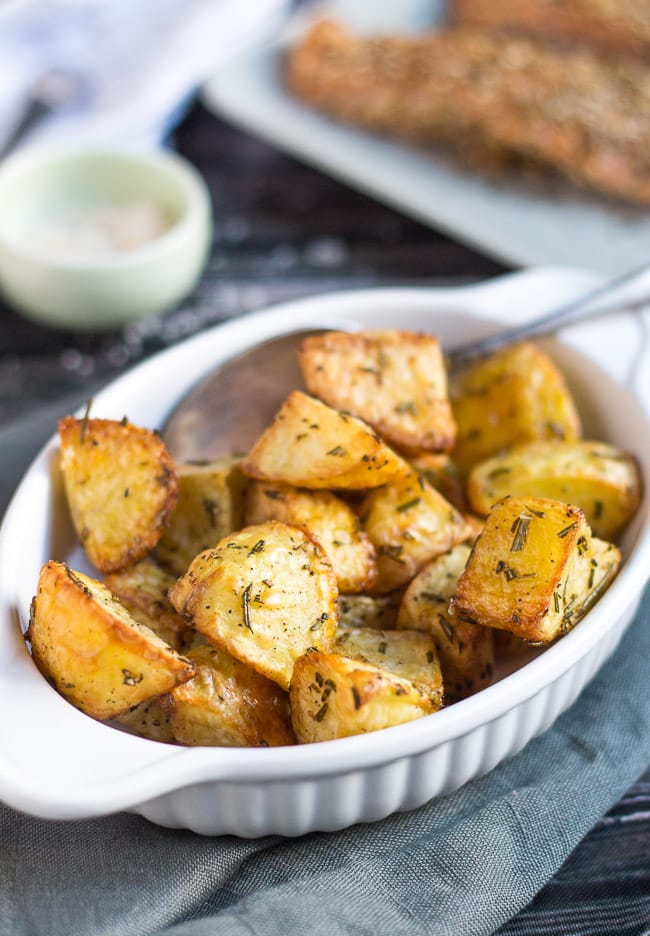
93	238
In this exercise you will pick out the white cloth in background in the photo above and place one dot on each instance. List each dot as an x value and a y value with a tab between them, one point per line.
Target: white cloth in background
139	60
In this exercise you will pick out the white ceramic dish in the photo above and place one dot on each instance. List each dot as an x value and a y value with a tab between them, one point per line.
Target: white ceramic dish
57	762
54	187
510	221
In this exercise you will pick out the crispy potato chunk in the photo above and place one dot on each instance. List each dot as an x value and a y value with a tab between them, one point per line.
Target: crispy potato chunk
394	380
266	595
121	486
91	649
210	506
599	478
311	445
516	395
328	519
333	696
443	475
228	704
534	570
143	589
406	653
376	611
465	650
147	720
409	524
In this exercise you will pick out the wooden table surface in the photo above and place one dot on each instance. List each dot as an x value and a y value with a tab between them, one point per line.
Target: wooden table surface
281	231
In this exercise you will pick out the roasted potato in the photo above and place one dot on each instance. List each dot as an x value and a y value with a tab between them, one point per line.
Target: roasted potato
443	475
210	506
328	519
513	396
147	720
376	611
91	649
266	595
394	380
228	704
599	478
143	589
407	653
333	696
311	445
409	524
121	487
534	570
465	650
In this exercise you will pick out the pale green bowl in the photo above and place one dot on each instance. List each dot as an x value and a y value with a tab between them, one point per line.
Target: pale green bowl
98	293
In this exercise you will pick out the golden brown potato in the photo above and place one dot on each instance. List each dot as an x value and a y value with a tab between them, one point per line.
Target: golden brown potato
147	720
465	650
266	595
143	589
121	486
534	570
406	653
91	649
443	475
376	611
409	524
394	380
513	396
311	445
228	704
599	478
210	505
328	519
333	696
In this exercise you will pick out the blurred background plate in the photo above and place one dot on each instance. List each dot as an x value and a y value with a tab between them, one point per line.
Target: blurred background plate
519	222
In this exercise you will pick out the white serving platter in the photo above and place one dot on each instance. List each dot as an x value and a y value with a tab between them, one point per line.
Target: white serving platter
57	762
511	221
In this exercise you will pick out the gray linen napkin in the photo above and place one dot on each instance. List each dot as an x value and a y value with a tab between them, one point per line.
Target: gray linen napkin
460	866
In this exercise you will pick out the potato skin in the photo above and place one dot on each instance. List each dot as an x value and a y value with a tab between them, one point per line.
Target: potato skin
394	380
333	696
228	704
530	571
513	396
326	518
265	594
92	651
313	446
465	650
409	524
121	486
599	478
147	720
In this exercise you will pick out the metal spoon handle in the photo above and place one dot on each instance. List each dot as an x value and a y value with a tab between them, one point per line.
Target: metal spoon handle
617	295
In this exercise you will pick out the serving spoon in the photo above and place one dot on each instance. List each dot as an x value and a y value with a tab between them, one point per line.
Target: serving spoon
251	387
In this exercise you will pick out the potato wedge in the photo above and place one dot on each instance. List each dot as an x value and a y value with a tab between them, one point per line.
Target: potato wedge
228	704
376	611
394	380
311	445
513	396
465	650
91	649
406	653
534	570
143	589
121	487
599	478
147	720
409	524
333	696
266	595
210	506
328	519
